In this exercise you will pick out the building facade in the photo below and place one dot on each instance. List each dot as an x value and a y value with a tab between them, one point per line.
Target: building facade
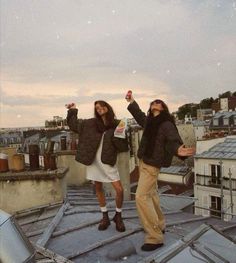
204	114
215	180
224	121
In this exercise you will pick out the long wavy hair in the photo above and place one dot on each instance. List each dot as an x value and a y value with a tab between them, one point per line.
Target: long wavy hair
153	125
165	109
110	115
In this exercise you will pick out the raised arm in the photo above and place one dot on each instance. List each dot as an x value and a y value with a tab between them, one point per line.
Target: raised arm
136	112
73	122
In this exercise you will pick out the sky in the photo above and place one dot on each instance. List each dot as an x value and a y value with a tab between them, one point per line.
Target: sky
58	51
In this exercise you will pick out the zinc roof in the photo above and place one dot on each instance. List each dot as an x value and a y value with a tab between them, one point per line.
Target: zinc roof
75	237
223	150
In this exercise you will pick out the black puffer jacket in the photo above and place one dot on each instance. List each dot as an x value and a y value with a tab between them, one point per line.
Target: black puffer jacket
167	140
90	134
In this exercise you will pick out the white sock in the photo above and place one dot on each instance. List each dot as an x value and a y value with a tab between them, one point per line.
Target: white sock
103	209
119	210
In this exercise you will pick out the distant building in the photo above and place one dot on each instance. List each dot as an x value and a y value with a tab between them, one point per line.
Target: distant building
225	104
56	122
224	121
215	179
188	119
201	128
204	114
33	139
12	139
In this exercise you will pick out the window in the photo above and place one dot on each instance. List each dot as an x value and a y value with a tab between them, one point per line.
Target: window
215	174
216	206
226	121
215	122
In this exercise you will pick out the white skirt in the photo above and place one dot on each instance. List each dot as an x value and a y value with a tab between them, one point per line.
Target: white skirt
102	172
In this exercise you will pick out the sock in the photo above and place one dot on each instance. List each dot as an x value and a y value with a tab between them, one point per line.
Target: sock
103	209
119	210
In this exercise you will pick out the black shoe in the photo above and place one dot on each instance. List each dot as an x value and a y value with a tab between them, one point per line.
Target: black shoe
151	247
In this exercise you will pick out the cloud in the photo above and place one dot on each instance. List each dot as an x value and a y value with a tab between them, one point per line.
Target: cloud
58	51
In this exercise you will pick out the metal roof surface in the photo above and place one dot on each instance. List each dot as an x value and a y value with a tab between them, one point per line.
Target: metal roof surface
175	202
75	237
225	114
177	170
223	150
205	244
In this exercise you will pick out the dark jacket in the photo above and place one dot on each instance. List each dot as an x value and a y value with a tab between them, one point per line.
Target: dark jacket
167	140
90	134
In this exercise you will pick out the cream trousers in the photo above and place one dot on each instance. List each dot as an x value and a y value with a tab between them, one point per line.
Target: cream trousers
148	204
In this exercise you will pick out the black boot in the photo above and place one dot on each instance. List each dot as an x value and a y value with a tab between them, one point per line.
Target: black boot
119	222
151	247
105	222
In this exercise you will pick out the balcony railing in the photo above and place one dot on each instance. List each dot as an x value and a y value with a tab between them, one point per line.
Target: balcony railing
214	184
206	180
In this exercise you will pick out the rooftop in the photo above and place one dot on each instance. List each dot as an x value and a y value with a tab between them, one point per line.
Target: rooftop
224	114
223	150
176	170
67	232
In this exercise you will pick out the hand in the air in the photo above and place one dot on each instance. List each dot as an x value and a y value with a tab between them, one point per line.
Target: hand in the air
129	97
70	106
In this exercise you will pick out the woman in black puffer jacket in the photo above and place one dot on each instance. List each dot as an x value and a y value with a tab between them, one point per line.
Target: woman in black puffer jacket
159	143
98	150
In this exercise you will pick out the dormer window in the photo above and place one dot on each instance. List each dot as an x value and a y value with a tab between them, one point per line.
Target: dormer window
226	121
215	122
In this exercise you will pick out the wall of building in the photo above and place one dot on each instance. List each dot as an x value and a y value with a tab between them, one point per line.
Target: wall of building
16	195
203	195
224	104
203	166
186	132
76	175
199	132
203	191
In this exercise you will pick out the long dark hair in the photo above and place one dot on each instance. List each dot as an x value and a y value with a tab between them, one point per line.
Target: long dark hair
153	125
165	109
110	115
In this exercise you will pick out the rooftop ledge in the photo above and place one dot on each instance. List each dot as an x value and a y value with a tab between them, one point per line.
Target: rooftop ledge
34	175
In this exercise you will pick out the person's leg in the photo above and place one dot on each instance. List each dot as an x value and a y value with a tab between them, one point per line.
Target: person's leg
161	217
100	194
156	203
119	193
119	201
145	193
105	222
